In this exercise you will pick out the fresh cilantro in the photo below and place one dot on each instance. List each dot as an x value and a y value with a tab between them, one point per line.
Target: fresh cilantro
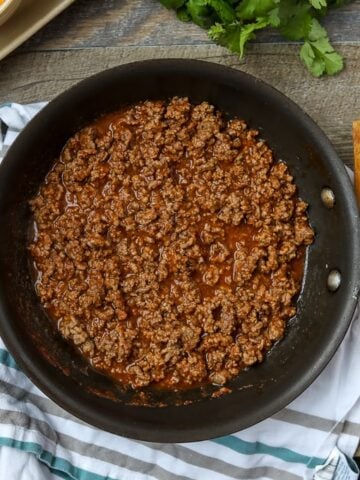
173	3
318	54
200	13
227	37
235	36
295	19
247	33
252	9
206	12
223	10
274	18
183	15
317	31
233	23
318	4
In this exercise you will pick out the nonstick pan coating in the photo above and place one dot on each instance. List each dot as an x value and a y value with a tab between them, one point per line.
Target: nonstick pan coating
312	336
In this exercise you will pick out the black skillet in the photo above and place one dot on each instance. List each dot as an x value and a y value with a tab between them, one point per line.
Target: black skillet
312	337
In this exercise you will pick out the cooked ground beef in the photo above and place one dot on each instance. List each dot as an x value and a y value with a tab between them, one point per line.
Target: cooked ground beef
169	244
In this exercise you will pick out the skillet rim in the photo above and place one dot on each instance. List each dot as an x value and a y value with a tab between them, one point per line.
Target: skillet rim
52	388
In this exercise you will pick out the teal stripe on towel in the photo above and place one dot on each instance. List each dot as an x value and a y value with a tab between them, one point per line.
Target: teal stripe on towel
56	464
230	441
7	359
252	448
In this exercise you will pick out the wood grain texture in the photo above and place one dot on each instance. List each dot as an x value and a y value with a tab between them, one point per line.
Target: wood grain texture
94	23
356	141
333	102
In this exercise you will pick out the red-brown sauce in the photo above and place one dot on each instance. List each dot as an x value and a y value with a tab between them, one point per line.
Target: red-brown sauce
169	245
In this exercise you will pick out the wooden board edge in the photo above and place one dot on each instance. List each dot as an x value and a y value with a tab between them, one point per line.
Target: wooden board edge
356	142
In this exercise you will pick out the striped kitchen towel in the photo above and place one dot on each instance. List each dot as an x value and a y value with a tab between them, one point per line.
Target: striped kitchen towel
39	440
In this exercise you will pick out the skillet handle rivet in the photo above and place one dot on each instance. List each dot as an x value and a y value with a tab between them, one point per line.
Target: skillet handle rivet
328	197
334	280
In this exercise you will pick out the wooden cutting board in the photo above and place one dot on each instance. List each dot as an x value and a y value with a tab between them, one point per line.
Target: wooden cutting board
30	16
356	140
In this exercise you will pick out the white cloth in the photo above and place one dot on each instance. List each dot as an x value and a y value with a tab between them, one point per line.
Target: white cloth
287	446
19	465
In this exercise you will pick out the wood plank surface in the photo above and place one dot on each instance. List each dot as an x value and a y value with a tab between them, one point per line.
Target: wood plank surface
90	23
333	102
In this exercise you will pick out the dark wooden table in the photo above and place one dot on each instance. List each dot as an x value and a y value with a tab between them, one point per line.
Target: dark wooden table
93	35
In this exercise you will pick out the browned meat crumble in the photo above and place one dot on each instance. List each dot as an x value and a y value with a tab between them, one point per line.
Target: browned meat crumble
169	245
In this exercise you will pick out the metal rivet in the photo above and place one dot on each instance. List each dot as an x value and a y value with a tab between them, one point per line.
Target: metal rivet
334	280
328	197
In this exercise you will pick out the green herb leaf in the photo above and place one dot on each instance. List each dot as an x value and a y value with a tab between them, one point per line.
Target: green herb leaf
318	4
247	33
274	18
200	13
183	15
316	31
206	12
235	36
295	19
252	9
233	23
223	10
318	54
173	3
311	60
228	37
